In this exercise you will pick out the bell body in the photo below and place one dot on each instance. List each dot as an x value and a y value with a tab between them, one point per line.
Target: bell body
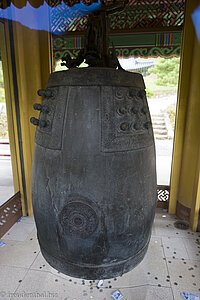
94	173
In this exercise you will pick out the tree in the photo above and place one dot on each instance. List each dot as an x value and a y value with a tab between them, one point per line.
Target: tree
167	71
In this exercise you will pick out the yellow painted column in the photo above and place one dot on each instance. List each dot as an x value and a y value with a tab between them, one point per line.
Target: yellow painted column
10	106
192	153
32	57
186	167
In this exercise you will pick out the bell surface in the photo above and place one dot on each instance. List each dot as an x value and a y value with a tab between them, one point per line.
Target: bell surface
94	172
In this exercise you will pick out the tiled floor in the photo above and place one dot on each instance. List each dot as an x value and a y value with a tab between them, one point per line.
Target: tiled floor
172	265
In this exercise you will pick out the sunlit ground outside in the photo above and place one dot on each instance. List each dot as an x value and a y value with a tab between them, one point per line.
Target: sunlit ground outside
6	177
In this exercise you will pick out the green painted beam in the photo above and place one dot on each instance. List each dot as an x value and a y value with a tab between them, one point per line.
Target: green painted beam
123	41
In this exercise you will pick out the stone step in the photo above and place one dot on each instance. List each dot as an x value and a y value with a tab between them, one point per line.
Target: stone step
158	126
160	132
160	129
157	116
158	123
158	119
160	137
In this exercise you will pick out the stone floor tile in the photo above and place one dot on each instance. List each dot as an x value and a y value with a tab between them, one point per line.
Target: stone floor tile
160	273
45	284
193	248
174	248
18	254
146	292
184	276
10	280
29	220
19	231
165	227
63	289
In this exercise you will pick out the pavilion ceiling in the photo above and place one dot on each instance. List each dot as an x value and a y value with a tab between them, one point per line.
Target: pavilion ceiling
147	28
21	3
138	16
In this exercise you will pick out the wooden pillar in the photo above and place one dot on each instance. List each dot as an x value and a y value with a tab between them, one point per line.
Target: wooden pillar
185	180
33	64
10	107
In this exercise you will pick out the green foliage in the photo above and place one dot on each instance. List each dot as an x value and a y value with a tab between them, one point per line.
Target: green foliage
2	92
158	90
2	95
172	114
149	93
167	71
3	126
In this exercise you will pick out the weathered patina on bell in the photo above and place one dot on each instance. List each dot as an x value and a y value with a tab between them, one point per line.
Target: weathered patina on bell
94	174
94	178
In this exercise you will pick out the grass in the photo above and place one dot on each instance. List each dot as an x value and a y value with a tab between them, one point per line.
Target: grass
157	90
